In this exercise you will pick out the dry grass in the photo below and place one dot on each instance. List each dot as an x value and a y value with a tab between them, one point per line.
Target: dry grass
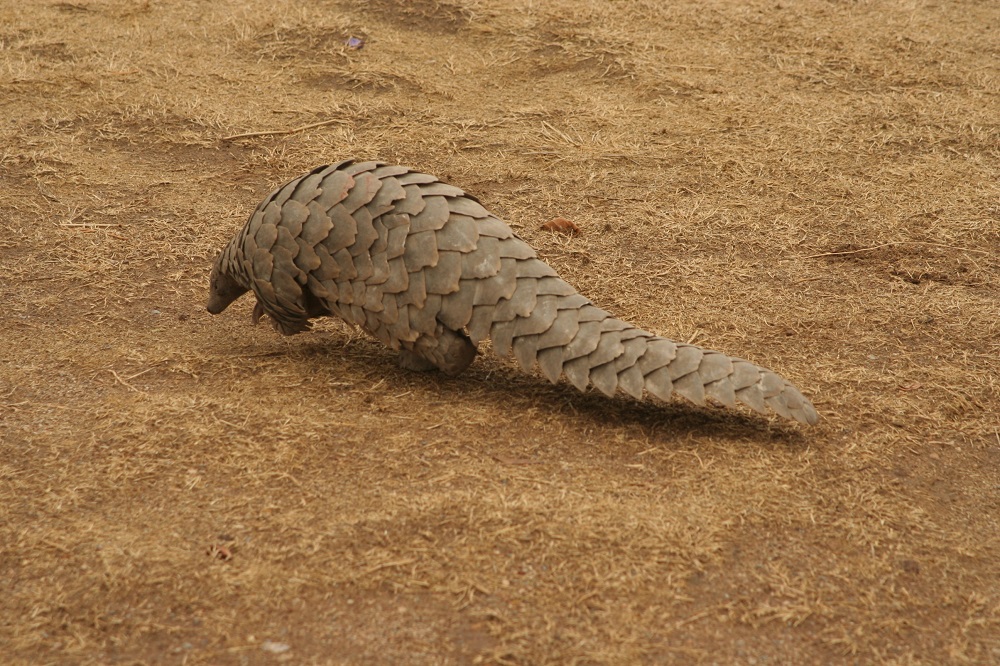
813	185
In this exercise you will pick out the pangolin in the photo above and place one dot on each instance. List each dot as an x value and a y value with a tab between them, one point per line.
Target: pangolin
426	269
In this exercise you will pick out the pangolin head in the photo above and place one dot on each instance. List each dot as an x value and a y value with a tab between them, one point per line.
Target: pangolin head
224	284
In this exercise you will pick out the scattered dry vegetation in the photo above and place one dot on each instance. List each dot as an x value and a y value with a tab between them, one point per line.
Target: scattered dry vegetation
810	184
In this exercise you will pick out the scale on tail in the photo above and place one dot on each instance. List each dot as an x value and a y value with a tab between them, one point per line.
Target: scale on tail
423	267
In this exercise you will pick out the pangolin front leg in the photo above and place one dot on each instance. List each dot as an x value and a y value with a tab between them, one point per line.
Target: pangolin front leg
423	267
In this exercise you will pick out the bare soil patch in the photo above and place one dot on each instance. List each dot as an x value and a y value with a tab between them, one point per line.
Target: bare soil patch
812	185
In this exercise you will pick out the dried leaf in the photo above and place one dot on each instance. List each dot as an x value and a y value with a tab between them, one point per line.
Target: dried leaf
561	225
274	647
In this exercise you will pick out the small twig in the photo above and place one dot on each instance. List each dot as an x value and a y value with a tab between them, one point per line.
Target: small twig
530	480
703	68
87	224
879	247
288	131
698	616
389	565
284	475
53	544
562	134
45	194
123	382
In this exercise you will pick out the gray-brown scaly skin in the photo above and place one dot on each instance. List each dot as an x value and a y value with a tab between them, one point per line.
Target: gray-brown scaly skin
424	268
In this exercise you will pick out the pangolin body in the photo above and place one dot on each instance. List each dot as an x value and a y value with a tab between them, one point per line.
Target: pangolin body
423	267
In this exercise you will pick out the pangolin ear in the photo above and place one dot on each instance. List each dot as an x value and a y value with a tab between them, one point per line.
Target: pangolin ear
223	289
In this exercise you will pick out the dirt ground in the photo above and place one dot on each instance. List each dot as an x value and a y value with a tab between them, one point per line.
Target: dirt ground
814	185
